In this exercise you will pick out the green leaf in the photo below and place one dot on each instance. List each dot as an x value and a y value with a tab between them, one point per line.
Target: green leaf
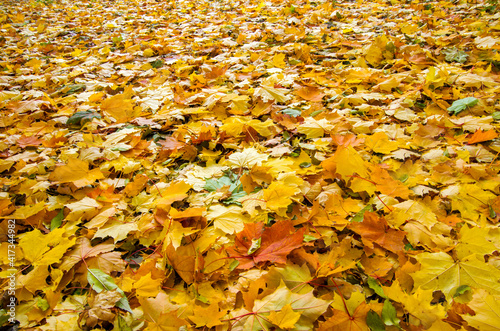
461	290
496	116
233	265
122	324
375	286
4	317
211	185
81	117
234	198
455	55
120	149
73	88
305	165
389	314
374	321
156	64
100	281
462	104
319	111
42	304
255	246
292	112
308	238
404	178
492	212
409	247
360	214
57	221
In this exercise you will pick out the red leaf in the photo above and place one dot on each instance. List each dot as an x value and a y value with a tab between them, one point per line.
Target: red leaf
276	243
375	230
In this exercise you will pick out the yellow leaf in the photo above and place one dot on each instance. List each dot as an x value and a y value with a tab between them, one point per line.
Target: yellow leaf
265	129
418	304
487	309
349	162
209	316
285	318
24	212
55	254
175	232
269	93
473	241
146	286
379	142
315	128
376	51
440	272
118	230
411	209
409	28
34	280
76	172
248	158
228	219
148	52
85	205
33	245
176	191
468	199
278	196
118	107
278	60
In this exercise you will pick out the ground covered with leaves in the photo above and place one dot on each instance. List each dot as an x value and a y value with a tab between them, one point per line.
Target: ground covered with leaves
247	165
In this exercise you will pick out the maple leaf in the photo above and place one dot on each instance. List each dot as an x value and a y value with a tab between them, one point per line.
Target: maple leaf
29	141
486	311
480	136
100	256
375	230
287	138
274	243
76	172
209	316
269	93
120	107
440	271
309	308
346	161
351	316
310	93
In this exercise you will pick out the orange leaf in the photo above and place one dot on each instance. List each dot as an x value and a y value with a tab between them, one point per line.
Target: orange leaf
375	230
28	141
310	93
480	136
387	185
276	243
342	321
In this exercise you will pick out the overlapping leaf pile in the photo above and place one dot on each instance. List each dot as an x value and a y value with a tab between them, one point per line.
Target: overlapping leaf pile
251	165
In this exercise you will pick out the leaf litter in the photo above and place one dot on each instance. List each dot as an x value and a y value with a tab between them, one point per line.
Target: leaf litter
251	165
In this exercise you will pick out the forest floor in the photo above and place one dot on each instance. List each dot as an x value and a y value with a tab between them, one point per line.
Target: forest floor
250	165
